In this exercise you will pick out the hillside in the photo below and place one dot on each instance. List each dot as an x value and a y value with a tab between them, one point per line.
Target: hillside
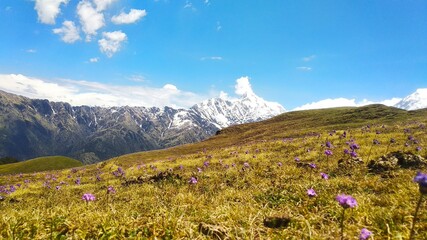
31	128
275	179
289	125
39	165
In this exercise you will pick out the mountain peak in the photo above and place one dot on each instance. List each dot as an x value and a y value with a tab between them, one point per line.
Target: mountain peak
416	100
224	111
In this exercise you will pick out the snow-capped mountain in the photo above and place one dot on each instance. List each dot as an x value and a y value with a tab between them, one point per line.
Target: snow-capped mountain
416	100
224	112
32	127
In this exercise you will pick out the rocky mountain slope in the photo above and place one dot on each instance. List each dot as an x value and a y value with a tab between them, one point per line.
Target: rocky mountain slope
30	128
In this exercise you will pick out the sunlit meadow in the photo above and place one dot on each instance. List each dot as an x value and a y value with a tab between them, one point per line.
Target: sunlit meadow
314	186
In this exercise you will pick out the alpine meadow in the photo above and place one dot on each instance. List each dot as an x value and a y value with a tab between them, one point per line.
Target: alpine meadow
213	119
316	174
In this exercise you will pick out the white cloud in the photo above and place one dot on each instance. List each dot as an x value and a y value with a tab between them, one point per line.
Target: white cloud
101	5
328	103
170	87
137	78
69	32
218	26
90	19
214	58
79	93
94	60
189	5
309	58
111	42
391	102
128	18
304	69
243	86
344	102
48	10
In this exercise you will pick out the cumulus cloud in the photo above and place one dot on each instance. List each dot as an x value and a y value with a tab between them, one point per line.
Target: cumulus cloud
328	103
243	86
90	18
344	102
111	42
79	93
127	18
48	10
101	5
69	32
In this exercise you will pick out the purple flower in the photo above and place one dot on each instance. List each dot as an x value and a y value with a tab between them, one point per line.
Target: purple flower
58	187
246	165
411	138
192	180
421	179
88	197
328	152
199	169
279	164
311	192
78	181
346	201
324	176
346	151
418	148
353	154
312	165
328	144
111	190
206	164
376	142
354	146
181	167
98	178
297	159
364	234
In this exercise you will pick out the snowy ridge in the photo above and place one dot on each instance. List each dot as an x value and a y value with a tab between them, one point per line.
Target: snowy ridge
224	112
416	100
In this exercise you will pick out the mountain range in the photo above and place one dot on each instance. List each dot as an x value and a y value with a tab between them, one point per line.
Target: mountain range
31	128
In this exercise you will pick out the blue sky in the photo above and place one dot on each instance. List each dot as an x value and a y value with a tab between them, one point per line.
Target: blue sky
184	51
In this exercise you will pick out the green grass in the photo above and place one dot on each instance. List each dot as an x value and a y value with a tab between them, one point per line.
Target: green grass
40	164
234	198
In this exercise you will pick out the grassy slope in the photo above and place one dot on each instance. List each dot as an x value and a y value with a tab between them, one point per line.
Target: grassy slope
40	164
232	197
287	125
